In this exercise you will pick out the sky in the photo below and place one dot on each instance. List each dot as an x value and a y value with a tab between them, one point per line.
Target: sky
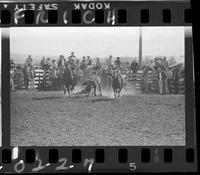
97	41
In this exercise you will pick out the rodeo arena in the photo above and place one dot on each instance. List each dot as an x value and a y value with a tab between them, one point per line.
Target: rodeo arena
95	101
91	102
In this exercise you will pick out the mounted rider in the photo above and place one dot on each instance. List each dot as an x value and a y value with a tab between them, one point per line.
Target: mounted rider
72	61
118	63
71	64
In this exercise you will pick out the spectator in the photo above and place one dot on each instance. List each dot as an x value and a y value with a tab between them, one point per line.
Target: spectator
12	65
169	80
29	62
157	63
83	63
151	65
109	64
78	63
146	78
19	77
164	62
176	80
48	63
160	80
134	66
127	67
43	63
54	64
98	64
118	63
164	77
89	61
53	75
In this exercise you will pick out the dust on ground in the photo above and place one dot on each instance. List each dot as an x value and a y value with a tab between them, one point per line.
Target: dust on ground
52	119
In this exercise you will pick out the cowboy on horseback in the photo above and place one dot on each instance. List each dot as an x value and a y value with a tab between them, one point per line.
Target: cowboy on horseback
69	79
117	82
72	60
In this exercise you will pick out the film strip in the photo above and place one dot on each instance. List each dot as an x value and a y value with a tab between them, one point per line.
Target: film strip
148	125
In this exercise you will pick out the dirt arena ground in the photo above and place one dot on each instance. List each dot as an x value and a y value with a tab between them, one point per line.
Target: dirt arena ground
50	118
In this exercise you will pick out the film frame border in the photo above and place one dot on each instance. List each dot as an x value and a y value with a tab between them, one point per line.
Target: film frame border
111	152
145	13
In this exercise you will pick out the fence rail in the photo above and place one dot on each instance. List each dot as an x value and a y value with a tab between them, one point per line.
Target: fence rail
152	80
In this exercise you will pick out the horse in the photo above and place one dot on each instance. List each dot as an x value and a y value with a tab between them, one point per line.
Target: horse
69	80
28	76
60	74
117	83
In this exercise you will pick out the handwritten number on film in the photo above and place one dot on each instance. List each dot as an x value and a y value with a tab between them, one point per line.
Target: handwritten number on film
63	166
19	166
133	166
39	167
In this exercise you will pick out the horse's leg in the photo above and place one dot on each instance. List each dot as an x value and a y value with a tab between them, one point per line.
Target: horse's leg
114	93
88	94
100	89
26	84
118	93
69	91
95	91
64	87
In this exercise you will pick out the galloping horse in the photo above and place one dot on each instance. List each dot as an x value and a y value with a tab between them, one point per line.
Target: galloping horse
117	83
69	80
60	73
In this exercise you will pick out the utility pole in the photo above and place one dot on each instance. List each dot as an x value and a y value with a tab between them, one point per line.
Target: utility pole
140	47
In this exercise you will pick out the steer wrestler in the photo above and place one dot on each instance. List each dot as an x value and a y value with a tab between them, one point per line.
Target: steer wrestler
88	89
